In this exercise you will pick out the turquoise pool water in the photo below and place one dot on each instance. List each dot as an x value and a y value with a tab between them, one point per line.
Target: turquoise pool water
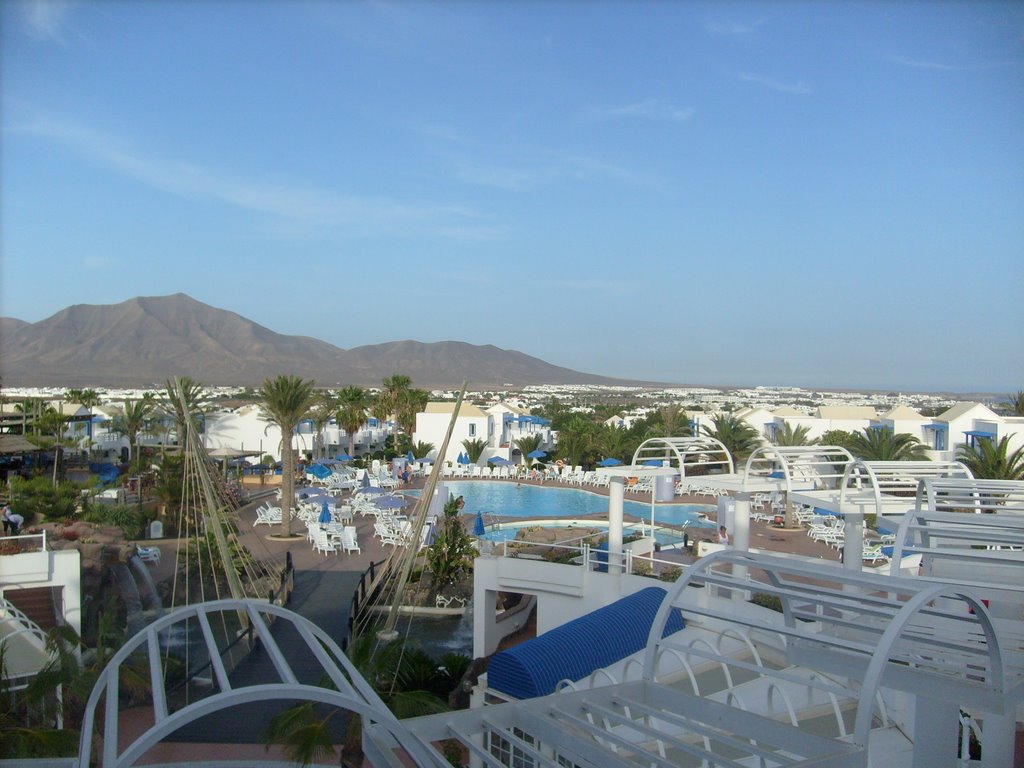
509	499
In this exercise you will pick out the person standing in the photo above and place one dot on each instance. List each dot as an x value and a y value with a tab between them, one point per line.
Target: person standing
7	517
723	536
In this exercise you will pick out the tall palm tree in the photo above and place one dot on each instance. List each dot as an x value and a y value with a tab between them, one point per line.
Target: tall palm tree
285	401
739	438
790	435
576	440
184	395
321	414
993	461
133	419
673	421
410	402
89	399
421	450
885	445
351	414
392	390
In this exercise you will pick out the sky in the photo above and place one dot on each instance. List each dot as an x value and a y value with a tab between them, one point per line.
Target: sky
805	194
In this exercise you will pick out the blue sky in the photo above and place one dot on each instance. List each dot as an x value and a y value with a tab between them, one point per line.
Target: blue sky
810	194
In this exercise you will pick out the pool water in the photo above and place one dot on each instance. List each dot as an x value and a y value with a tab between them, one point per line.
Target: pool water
533	501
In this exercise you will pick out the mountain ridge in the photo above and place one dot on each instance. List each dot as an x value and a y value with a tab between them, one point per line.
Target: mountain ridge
145	340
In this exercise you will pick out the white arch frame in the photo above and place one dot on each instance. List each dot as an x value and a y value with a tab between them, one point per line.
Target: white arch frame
882	477
678	450
885	645
353	692
817	461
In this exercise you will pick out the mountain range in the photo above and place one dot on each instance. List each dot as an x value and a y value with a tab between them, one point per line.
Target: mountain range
146	340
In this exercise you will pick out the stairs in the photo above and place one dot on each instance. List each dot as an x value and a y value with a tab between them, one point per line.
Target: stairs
40	604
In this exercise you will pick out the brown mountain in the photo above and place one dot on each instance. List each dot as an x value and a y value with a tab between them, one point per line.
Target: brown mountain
145	340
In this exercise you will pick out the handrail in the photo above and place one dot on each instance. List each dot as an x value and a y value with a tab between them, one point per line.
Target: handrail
22	537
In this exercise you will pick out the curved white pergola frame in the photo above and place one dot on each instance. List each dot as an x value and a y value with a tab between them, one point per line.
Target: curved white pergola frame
880	479
683	452
928	639
822	465
353	692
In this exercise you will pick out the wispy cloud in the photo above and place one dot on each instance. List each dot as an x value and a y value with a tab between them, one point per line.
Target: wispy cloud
650	109
906	61
289	206
47	19
733	28
799	88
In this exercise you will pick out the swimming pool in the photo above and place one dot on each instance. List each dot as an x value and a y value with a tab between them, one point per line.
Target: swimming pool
533	501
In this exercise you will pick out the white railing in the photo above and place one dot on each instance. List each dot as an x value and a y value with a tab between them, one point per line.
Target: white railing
23	540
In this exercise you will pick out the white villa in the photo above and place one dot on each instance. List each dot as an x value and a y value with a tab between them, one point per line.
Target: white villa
500	425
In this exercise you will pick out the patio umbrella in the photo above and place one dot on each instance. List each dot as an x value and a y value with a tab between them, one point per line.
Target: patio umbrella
463	459
391	502
325	513
499	461
343	457
409	457
478	525
536	454
609	462
371	490
652	463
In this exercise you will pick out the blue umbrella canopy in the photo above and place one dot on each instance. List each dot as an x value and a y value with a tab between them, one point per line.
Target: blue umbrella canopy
409	457
498	460
371	490
463	459
609	462
653	463
478	525
536	454
391	502
343	457
325	513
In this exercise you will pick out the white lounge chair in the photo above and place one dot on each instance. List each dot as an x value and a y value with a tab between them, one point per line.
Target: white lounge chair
349	541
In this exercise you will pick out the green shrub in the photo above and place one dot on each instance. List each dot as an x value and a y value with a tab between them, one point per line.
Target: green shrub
771	602
38	500
671	573
129	519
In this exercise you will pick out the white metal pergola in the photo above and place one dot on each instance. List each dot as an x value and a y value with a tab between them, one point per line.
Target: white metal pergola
351	692
857	633
705	453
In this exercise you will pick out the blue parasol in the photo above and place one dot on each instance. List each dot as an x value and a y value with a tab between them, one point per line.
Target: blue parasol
478	525
343	457
370	490
463	459
409	457
325	513
391	502
609	462
653	463
498	460
536	454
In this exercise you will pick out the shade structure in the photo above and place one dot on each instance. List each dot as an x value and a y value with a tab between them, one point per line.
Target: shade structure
609	462
391	502
325	512
478	525
536	454
226	453
343	457
425	460
409	457
499	461
371	490
463	459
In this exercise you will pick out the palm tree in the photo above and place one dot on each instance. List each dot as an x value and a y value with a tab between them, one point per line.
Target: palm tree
474	448
527	445
133	419
576	440
885	445
387	400
89	399
190	399
673	421
739	438
410	402
322	413
421	450
790	435
285	401
1016	403
993	461
352	403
